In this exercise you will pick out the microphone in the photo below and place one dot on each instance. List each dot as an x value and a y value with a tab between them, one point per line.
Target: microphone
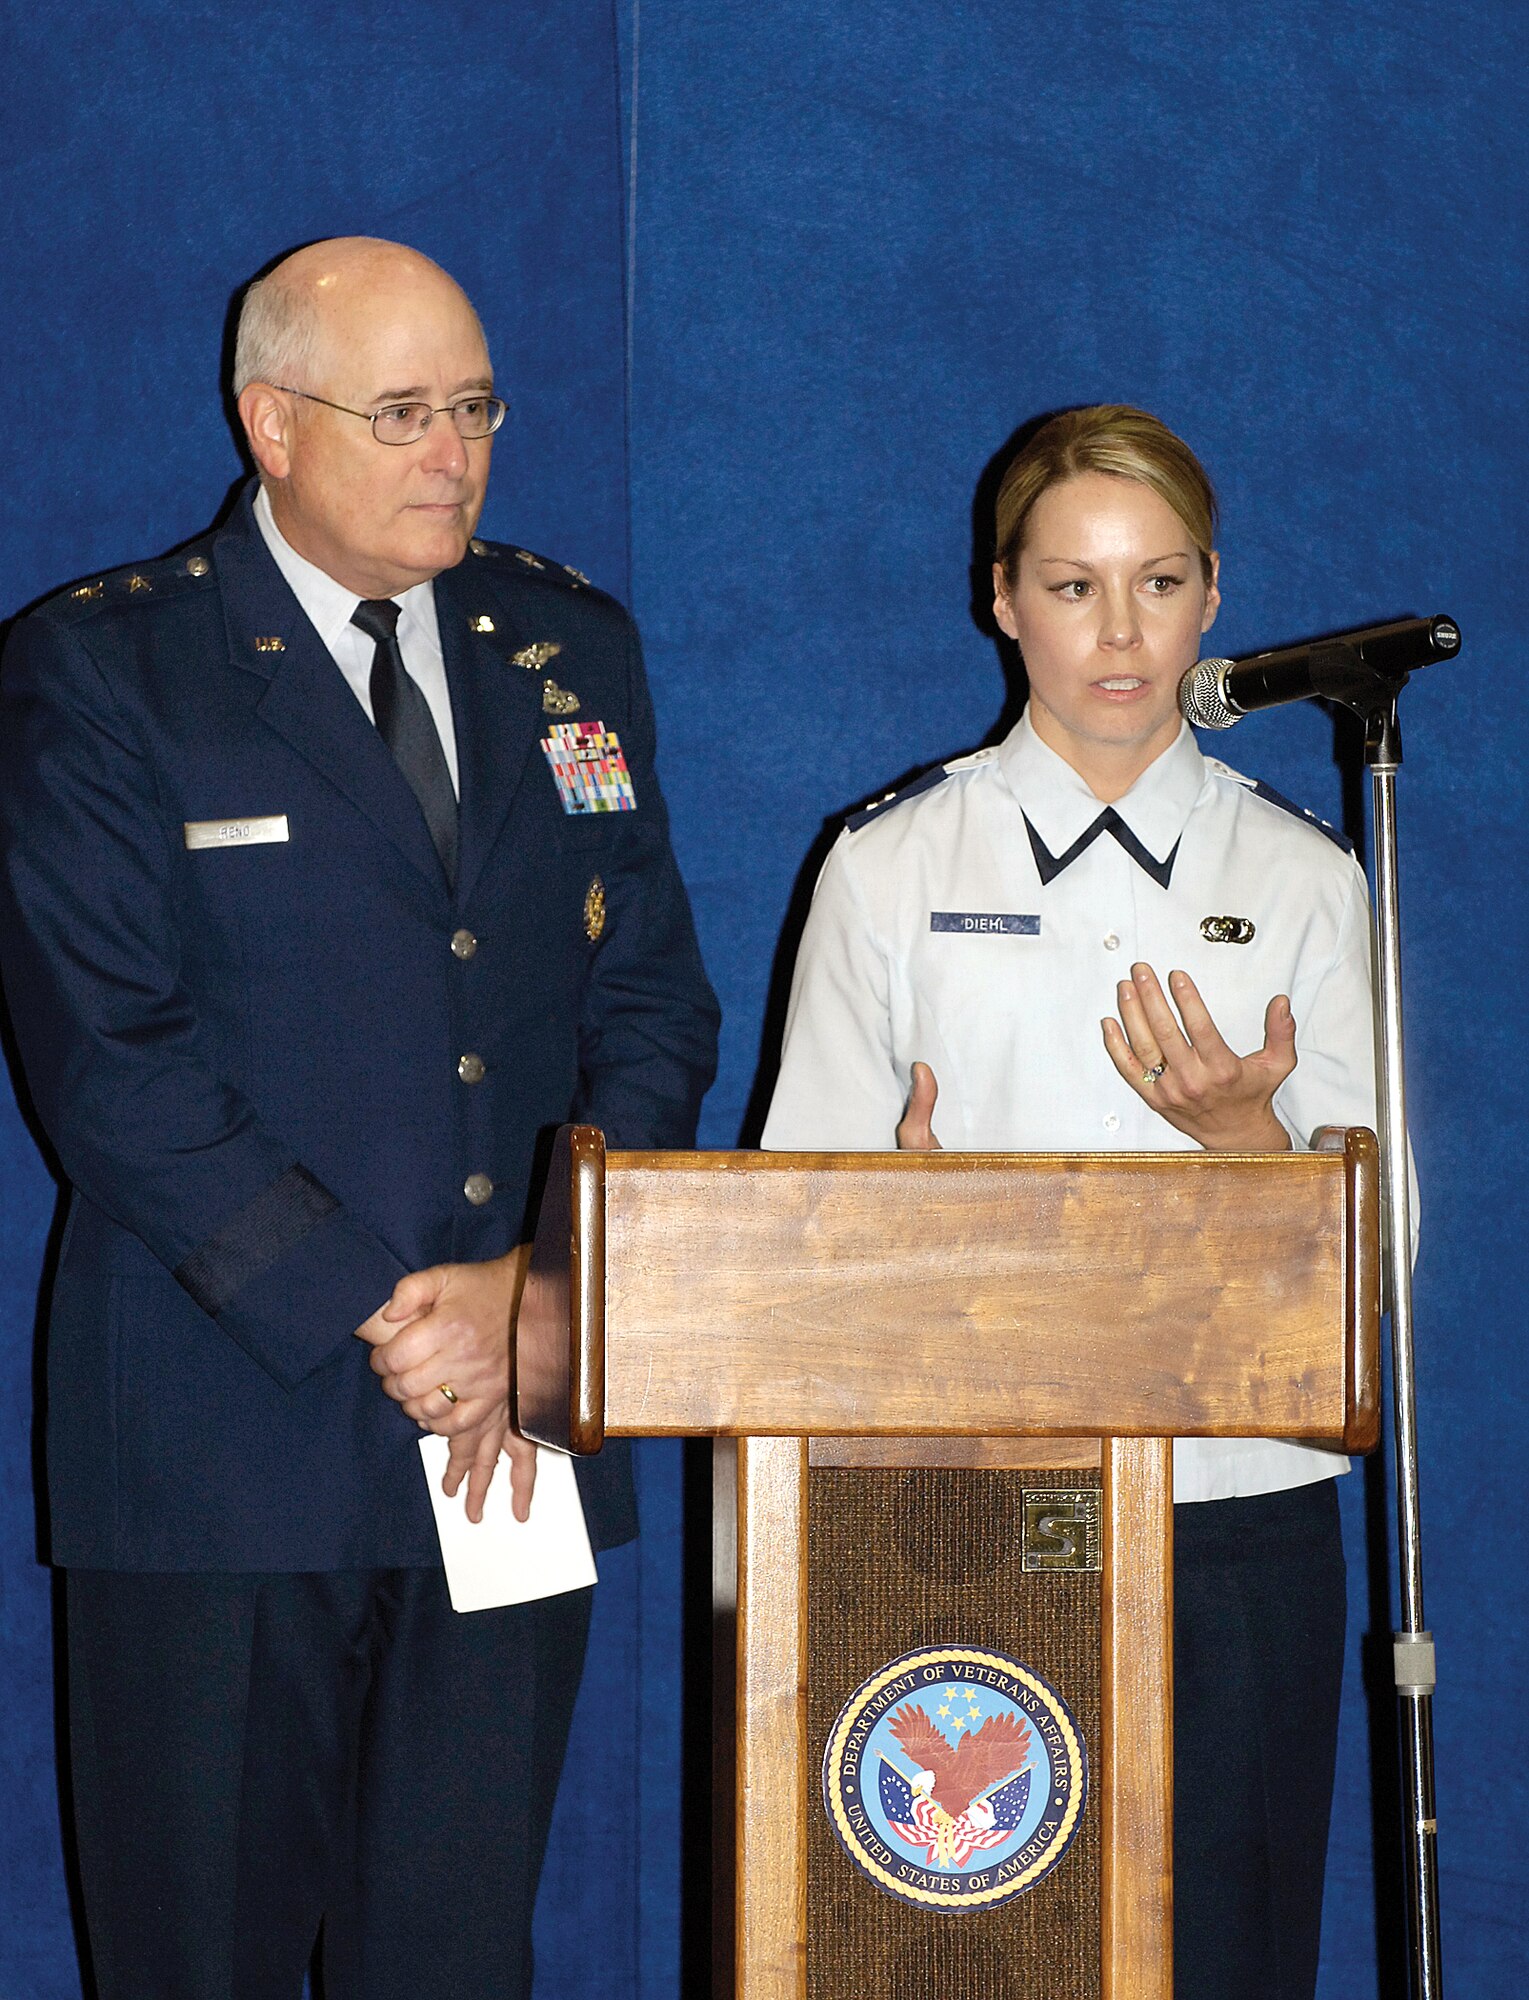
1351	667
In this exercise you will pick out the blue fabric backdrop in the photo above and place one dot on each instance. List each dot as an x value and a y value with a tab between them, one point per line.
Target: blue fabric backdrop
869	243
867	246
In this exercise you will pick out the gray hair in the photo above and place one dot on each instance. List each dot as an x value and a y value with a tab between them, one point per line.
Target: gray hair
277	332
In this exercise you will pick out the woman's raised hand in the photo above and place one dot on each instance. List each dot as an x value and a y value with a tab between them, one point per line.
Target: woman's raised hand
1188	1074
915	1132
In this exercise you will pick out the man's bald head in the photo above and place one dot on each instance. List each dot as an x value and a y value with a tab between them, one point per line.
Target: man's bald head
337	334
285	314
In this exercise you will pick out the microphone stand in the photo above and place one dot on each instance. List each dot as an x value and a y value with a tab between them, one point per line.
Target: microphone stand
1338	671
1412	1646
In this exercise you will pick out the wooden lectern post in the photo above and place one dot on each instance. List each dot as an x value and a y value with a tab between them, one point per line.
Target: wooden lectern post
916	1351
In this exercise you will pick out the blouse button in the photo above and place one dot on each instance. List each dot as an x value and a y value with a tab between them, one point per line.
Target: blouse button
1112	1121
1111	941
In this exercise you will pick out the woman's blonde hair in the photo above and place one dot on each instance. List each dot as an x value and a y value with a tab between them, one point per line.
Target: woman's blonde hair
1111	438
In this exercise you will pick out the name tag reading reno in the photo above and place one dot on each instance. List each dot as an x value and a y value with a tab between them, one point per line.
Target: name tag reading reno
236	832
976	923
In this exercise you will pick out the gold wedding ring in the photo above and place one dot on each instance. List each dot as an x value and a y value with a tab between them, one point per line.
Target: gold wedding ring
448	1392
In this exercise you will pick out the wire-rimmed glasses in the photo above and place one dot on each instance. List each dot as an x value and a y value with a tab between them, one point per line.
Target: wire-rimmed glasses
406	423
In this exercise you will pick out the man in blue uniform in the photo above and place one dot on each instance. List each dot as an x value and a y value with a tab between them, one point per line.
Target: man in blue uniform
335	875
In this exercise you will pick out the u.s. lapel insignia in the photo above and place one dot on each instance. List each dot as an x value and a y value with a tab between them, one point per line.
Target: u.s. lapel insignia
558	700
1227	930
536	656
271	645
482	623
594	911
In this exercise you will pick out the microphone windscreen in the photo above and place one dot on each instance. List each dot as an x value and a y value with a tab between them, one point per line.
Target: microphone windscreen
1202	699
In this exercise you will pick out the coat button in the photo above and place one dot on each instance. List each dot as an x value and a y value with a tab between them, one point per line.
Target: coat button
463	944
1111	941
477	1188
1111	1124
470	1068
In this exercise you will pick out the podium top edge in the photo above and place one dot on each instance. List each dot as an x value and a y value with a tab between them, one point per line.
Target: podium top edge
746	1160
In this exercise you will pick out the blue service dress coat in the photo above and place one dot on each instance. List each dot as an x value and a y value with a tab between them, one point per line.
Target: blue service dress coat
248	1054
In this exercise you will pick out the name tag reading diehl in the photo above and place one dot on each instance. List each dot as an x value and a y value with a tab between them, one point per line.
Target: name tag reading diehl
977	923
236	832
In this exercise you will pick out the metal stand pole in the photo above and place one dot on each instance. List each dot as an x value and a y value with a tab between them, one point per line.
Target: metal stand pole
1412	1648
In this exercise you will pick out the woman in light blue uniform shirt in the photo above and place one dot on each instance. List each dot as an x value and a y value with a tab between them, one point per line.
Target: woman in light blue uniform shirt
1094	937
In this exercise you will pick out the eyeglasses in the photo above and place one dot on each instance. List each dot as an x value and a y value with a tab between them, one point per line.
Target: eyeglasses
406	423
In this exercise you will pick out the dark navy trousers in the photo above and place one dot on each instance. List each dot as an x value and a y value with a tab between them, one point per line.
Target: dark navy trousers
261	1762
1259	1615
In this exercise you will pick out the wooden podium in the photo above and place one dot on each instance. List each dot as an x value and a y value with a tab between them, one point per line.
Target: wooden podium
953	1380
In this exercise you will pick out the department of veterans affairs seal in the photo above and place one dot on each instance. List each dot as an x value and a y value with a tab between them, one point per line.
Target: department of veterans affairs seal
955	1778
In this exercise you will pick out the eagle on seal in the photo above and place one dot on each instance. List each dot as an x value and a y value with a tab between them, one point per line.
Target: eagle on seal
959	1773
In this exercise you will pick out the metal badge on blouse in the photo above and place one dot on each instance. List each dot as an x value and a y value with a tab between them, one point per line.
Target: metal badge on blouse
1227	930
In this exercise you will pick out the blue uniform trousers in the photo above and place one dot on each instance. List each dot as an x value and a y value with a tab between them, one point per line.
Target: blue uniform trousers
1259	1615
261	1758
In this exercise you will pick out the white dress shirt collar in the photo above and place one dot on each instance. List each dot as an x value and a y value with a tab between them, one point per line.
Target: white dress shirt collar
1060	805
329	604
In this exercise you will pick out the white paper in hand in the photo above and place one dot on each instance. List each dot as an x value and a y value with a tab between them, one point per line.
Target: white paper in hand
500	1560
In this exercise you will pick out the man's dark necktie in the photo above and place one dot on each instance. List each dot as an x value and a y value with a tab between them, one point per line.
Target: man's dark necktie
1051	865
404	722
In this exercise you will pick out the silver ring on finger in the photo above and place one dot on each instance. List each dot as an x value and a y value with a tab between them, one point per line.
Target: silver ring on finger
1151	1075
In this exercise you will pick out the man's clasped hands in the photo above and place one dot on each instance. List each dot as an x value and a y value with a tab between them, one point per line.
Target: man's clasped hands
450	1328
